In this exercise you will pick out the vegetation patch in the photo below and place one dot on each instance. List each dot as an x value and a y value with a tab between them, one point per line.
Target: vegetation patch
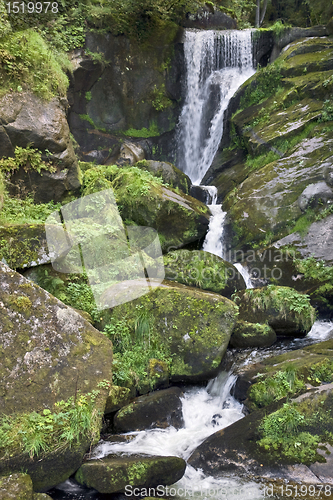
27	63
274	387
152	131
51	429
294	432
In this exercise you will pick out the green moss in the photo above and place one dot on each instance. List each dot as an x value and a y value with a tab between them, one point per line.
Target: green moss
160	101
282	383
152	131
294	432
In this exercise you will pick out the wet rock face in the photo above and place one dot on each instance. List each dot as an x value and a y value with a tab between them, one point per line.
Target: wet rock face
135	88
112	474
48	350
247	334
203	270
26	119
287	143
170	174
157	410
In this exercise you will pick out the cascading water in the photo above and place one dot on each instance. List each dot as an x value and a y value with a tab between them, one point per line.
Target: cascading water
217	63
214	239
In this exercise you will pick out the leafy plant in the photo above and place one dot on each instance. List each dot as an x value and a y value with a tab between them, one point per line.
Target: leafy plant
48	430
28	158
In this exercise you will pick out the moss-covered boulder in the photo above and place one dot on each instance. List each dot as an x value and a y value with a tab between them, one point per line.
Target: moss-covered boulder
112	474
24	245
16	487
272	442
168	172
288	374
203	270
288	312
247	334
145	200
186	327
117	398
158	410
49	354
27	119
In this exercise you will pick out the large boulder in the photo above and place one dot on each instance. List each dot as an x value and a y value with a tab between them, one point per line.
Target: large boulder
287	311
169	173
159	409
49	354
189	326
25	119
203	270
24	245
147	201
18	486
247	334
113	473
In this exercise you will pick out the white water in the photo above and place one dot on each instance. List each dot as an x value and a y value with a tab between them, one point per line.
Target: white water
217	63
214	238
205	411
243	271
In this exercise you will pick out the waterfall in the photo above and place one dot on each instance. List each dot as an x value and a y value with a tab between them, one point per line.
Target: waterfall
214	238
243	271
217	63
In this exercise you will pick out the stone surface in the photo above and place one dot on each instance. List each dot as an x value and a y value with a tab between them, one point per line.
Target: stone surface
27	120
194	326
169	173
117	398
159	409
16	487
288	312
48	353
247	334
130	153
203	270
111	474
24	245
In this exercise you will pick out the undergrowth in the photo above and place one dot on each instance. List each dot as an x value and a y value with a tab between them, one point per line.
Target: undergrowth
66	424
18	211
134	344
295	431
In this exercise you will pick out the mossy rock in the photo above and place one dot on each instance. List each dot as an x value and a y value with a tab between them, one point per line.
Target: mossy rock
168	172
247	334
160	409
144	200
192	327
48	354
203	270
112	473
24	245
288	312
16	487
117	398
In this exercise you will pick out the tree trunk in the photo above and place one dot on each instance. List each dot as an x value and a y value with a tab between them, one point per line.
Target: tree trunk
257	14
263	12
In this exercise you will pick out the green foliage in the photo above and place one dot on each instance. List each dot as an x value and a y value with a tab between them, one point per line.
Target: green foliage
134	345
88	96
28	63
27	158
277	386
317	271
45	431
281	435
322	371
258	162
160	101
17	211
241	10
152	131
327	114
